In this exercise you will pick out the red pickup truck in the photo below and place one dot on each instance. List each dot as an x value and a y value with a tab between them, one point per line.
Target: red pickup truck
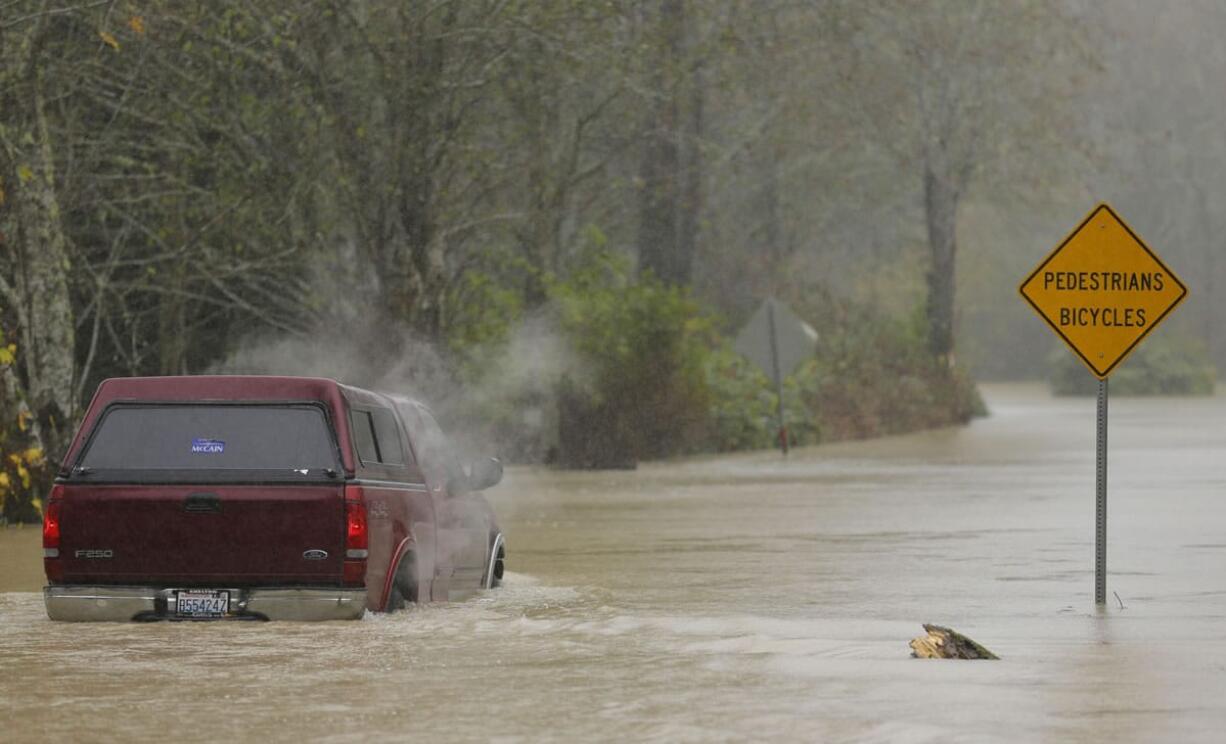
262	498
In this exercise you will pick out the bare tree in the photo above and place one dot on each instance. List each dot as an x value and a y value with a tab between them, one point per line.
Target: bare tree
952	88
35	256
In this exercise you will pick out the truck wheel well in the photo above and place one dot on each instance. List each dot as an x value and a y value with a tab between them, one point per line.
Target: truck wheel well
496	567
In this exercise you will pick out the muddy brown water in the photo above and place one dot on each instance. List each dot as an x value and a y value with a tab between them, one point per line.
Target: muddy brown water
728	599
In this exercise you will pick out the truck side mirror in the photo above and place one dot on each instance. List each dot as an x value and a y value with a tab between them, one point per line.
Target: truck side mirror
484	474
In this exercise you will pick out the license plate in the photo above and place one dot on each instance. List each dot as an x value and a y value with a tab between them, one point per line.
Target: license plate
202	604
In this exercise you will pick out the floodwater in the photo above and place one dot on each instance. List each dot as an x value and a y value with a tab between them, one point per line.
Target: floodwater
729	599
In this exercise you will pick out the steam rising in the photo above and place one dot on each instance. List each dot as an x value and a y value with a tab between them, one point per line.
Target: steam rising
502	403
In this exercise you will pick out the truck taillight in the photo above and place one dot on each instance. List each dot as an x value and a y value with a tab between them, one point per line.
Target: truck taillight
355	517
51	535
51	523
356	537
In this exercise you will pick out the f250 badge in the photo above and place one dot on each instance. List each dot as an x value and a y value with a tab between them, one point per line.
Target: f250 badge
377	510
108	553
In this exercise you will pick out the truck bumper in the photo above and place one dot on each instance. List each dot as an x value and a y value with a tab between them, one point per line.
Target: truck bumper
124	603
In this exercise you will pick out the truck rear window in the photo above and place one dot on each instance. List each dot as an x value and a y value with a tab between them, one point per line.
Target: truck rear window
291	440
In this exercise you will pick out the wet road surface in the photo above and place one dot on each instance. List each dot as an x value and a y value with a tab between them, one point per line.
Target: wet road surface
732	598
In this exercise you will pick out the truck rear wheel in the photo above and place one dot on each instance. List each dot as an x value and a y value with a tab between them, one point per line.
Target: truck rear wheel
404	585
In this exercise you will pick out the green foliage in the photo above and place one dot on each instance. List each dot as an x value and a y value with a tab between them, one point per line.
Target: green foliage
639	387
640	372
874	376
870	375
744	404
1162	365
483	312
622	326
742	410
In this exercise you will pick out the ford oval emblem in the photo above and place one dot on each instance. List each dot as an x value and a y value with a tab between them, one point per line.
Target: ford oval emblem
315	554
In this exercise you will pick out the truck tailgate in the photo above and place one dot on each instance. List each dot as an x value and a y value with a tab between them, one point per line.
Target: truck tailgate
203	535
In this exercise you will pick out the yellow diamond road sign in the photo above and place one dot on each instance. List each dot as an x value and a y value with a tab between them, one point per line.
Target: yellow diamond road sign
1103	290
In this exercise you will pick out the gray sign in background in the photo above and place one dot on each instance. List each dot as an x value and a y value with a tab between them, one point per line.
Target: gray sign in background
777	341
793	339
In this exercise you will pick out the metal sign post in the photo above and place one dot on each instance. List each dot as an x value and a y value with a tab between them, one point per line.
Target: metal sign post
782	434
1102	291
1100	490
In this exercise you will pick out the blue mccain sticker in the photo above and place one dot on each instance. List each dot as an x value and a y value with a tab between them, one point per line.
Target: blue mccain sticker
208	446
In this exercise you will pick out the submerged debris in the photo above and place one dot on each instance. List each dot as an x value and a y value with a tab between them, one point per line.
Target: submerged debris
943	643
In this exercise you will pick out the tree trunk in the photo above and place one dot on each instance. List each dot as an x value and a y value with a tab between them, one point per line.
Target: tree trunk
691	184
172	324
40	283
941	215
414	290
658	200
671	169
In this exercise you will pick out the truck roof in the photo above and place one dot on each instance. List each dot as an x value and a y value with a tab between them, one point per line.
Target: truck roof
217	388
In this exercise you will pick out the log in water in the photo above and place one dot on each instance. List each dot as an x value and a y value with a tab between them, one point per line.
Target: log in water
943	643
